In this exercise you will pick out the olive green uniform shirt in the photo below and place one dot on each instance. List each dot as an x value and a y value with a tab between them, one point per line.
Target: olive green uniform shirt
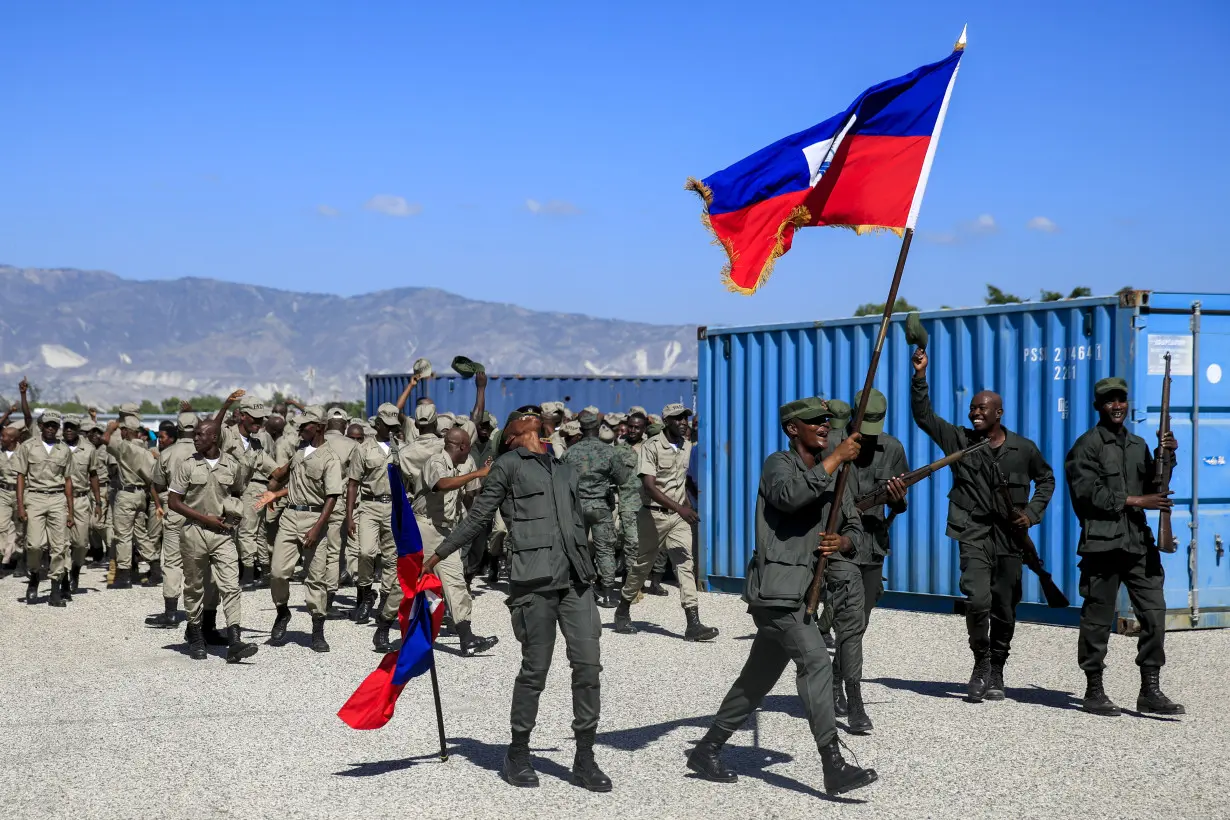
1103	469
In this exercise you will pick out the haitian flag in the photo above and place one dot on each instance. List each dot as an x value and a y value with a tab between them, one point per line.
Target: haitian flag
864	169
420	615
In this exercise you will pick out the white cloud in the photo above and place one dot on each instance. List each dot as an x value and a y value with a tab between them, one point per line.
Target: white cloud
325	210
981	225
390	205
1041	223
558	207
985	223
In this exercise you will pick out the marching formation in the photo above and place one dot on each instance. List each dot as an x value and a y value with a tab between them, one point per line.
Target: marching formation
579	512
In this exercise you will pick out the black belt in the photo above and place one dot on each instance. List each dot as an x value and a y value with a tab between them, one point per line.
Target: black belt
4	485
264	481
657	509
81	495
306	508
48	492
132	488
370	497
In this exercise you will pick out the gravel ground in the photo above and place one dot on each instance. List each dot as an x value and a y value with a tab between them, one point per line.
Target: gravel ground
102	717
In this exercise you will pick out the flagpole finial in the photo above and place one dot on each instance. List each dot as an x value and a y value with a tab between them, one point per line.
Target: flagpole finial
960	46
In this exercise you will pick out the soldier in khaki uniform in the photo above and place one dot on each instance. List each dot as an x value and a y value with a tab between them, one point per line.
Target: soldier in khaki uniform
204	490
100	521
83	470
169	459
313	481
665	521
45	504
8	498
371	527
255	449
135	465
336	424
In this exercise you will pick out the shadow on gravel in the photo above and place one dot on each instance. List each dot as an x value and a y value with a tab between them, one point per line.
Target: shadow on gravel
930	688
1158	718
1037	696
489	756
648	629
637	738
753	761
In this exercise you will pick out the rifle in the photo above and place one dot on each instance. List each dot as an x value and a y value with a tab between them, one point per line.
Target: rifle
1025	545
1166	542
879	497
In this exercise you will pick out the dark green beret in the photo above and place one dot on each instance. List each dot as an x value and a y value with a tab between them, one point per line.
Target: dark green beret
467	368
915	333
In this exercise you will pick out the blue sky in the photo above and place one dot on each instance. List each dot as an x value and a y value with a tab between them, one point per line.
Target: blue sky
536	152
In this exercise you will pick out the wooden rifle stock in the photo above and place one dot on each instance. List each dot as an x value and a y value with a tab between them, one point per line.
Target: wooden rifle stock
1163	465
1025	545
879	497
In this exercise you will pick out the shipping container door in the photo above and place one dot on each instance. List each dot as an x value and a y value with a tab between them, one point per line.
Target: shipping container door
1198	573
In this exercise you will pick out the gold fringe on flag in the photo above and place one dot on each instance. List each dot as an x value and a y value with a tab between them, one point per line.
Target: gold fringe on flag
798	217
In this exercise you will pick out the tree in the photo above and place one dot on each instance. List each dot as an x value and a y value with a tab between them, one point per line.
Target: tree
995	296
872	309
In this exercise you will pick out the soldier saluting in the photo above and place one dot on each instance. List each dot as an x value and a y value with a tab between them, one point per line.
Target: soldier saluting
1111	481
990	565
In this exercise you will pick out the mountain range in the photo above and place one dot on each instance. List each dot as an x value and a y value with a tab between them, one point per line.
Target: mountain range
95	337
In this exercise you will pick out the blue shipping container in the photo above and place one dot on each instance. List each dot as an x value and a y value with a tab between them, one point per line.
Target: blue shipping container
610	394
1044	360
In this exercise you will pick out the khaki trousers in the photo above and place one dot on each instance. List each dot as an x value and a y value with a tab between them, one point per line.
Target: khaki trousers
79	535
9	524
292	530
129	507
375	530
251	535
335	538
657	532
46	528
450	570
206	553
172	556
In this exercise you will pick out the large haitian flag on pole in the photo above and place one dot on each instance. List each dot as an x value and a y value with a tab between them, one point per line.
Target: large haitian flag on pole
864	169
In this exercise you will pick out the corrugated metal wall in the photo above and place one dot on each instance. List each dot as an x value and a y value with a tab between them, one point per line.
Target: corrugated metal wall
506	393
1043	359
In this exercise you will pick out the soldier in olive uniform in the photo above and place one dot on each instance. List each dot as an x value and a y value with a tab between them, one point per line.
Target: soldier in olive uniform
598	473
254	448
135	465
371	526
792	510
101	531
1111	481
664	522
551	579
313	481
990	562
336	423
45	505
169	459
84	473
204	490
854	580
8	498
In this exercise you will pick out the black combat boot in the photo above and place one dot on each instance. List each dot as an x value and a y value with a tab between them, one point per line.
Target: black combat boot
122	580
74	578
380	641
623	617
840	707
706	757
977	688
319	644
277	635
56	598
585	771
236	649
697	631
66	587
260	576
839	776
329	598
362	613
655	585
21	570
493	571
859	722
606	598
247	575
344	578
196	642
155	574
32	588
209	629
167	618
995	683
1096	701
472	644
1151	700
9	567
517	770
829	643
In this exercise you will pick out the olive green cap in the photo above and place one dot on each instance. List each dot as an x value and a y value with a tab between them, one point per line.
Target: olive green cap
841	413
467	368
809	409
915	333
873	416
1113	384
653	430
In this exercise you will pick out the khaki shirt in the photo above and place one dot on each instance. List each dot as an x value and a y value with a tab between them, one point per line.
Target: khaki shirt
169	459
206	487
413	456
256	453
666	463
285	447
369	466
134	461
84	461
443	509
7	474
43	470
314	477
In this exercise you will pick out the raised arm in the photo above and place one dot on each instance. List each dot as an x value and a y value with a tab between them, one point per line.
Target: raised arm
948	436
220	416
480	400
24	387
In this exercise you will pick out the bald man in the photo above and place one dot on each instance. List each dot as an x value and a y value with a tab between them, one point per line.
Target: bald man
990	564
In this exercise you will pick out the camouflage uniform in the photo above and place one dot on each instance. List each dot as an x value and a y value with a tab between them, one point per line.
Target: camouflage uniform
599	471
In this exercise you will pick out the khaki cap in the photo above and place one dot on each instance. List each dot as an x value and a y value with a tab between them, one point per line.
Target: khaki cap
312	415
50	416
187	420
387	413
425	413
570	428
254	407
674	409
